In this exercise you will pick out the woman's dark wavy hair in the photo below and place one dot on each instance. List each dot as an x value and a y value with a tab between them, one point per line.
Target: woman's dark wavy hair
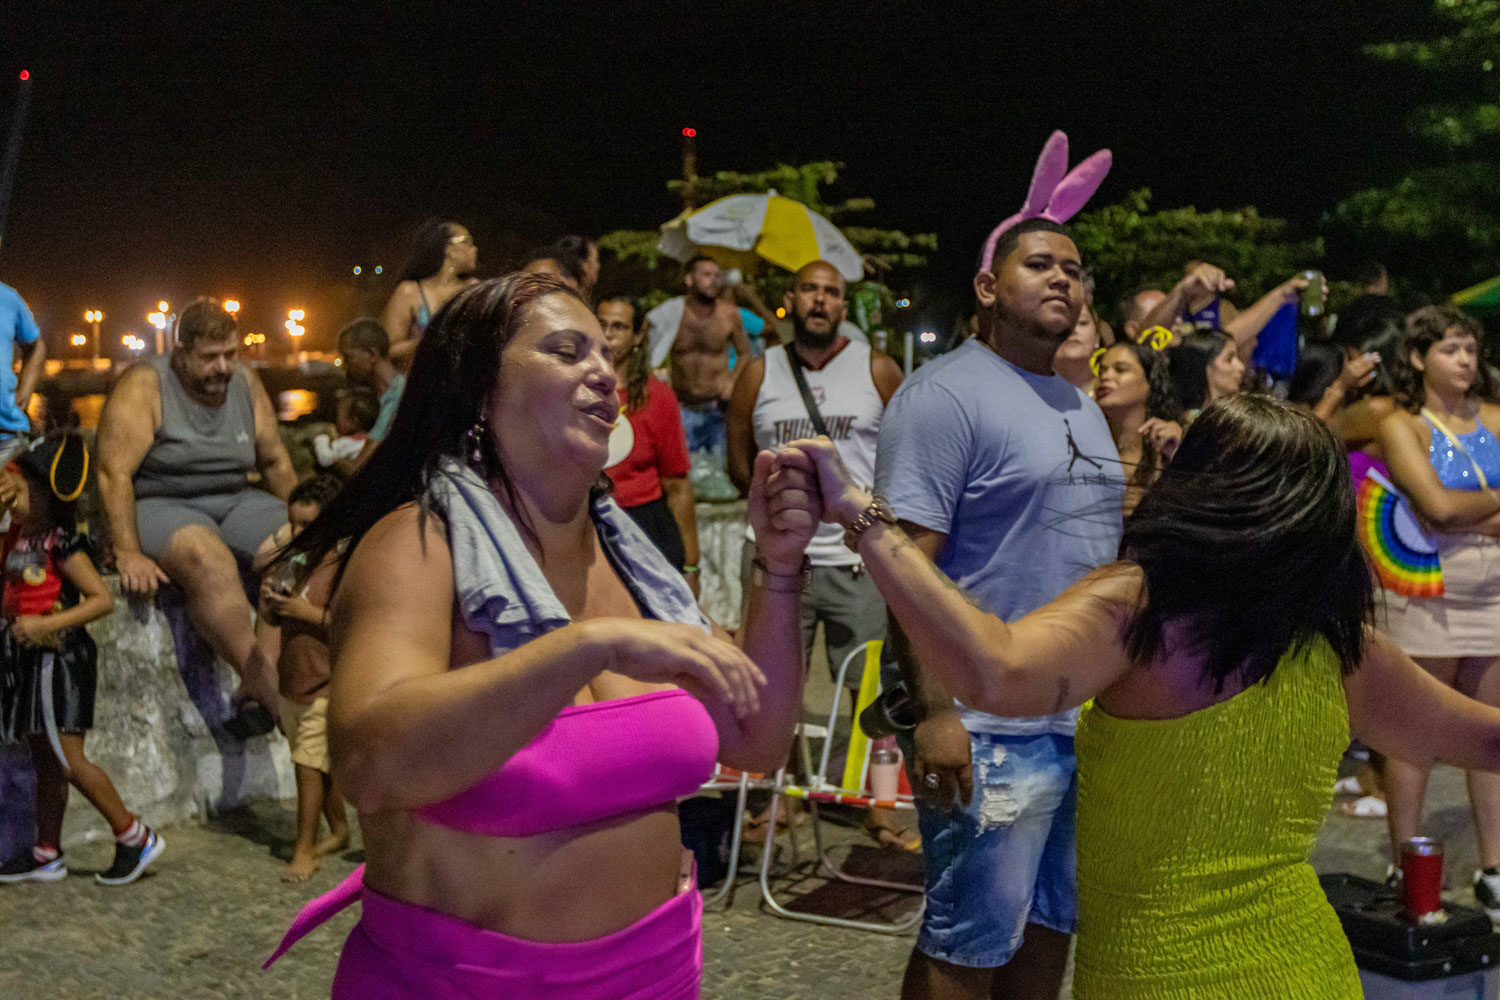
428	248
1160	403
1247	543
1319	364
1424	328
454	370
637	366
1188	364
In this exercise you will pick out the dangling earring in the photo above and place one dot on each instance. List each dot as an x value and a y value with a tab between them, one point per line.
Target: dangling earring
474	441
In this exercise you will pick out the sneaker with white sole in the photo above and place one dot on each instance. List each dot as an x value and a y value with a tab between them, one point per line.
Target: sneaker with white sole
130	862
24	867
1487	892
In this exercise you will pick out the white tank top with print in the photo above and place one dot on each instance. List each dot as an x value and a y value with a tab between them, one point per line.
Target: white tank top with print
851	408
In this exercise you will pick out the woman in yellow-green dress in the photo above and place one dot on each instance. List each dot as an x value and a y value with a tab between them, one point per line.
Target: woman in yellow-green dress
1229	658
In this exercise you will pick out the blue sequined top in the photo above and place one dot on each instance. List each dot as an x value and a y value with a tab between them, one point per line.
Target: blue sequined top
1455	469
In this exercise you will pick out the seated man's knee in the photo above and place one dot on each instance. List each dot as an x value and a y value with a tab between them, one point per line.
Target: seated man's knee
196	553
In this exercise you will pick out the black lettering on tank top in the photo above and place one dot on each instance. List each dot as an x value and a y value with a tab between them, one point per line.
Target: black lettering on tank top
839	429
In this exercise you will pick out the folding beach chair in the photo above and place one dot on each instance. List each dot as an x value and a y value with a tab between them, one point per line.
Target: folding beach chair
850	790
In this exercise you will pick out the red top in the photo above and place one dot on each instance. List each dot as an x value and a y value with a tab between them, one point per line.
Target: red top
659	450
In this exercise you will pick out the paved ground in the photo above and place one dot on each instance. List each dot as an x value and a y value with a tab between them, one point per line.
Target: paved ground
199	923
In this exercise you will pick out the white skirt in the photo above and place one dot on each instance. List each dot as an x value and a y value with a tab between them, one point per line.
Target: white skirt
1465	621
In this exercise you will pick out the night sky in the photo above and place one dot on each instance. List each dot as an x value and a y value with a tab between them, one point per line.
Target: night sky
184	149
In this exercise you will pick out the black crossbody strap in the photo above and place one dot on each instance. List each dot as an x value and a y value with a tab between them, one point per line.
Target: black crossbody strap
795	360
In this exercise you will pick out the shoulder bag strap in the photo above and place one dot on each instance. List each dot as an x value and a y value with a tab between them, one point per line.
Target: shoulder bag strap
1455	442
795	360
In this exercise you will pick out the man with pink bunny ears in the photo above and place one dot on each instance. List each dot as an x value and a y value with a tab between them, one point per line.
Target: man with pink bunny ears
1006	476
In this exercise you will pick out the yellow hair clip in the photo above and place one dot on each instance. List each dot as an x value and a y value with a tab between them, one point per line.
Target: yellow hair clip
1156	337
1095	359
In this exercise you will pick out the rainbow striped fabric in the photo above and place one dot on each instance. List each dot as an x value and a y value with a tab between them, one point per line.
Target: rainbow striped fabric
1404	554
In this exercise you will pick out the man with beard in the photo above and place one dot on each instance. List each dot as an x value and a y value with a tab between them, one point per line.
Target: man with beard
849	385
183	442
1006	476
699	354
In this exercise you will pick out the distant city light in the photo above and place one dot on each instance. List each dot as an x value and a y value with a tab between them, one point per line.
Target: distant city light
25	75
689	132
231	306
158	320
378	269
928	337
296	314
780	313
902	303
163	307
78	340
356	269
93	316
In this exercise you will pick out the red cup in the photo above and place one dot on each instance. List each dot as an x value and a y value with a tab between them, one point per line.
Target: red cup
1422	877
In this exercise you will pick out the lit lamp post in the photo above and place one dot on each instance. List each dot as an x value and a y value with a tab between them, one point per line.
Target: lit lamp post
232	307
256	343
295	329
94	317
78	340
135	344
159	320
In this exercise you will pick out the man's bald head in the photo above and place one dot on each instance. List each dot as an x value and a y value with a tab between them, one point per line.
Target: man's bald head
816	304
1133	310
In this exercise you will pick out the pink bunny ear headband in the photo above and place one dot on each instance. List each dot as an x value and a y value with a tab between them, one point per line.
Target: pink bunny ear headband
1056	194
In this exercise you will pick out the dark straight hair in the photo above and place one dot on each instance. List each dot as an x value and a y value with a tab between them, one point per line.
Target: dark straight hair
1188	366
454	370
1248	546
428	249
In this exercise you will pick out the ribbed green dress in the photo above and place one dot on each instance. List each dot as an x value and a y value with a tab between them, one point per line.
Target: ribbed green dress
1193	843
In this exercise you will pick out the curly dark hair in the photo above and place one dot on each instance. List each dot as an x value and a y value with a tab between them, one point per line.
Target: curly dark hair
1160	403
1424	328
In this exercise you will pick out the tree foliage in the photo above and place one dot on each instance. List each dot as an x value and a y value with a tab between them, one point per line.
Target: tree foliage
1127	245
1438	227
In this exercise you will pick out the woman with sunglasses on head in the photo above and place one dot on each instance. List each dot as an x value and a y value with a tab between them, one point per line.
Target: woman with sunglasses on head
442	262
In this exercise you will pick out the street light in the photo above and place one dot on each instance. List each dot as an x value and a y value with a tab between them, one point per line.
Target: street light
232	307
94	317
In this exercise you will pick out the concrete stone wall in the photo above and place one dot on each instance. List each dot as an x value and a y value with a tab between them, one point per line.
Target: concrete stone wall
162	699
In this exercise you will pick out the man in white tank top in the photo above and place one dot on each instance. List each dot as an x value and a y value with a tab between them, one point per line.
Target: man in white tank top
850	386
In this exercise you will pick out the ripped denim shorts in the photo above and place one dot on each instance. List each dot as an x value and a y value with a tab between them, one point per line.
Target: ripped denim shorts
1007	858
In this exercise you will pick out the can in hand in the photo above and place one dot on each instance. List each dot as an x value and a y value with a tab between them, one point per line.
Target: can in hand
1312	295
1422	879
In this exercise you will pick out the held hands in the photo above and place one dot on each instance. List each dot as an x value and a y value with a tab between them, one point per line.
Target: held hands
784	507
841	499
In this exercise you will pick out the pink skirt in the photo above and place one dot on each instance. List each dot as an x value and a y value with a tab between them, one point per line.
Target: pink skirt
400	951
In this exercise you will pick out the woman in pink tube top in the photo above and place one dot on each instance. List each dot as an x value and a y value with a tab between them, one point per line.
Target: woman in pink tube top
522	686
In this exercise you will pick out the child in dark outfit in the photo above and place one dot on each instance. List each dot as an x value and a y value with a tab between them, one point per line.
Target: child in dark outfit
48	663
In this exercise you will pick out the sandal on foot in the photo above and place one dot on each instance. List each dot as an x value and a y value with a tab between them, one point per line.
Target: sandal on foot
1365	807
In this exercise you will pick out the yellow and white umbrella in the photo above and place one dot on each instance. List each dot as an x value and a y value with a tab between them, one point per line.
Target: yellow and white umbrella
775	228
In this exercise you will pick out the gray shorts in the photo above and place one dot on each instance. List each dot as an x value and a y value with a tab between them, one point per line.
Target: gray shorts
849	605
243	520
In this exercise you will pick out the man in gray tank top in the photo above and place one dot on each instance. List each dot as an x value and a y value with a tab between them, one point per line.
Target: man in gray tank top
183	442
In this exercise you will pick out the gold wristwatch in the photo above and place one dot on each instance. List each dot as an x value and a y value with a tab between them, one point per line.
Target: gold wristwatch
878	510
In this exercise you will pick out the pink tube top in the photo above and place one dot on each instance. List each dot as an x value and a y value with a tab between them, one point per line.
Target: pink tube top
592	762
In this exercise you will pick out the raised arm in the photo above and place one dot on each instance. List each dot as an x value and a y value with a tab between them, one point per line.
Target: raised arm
1055	658
1245	327
1203	278
741	341
270	453
127	428
407	731
1447	510
1403	711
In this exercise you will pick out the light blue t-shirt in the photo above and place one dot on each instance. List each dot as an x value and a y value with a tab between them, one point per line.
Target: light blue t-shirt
1019	471
16	327
389	400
